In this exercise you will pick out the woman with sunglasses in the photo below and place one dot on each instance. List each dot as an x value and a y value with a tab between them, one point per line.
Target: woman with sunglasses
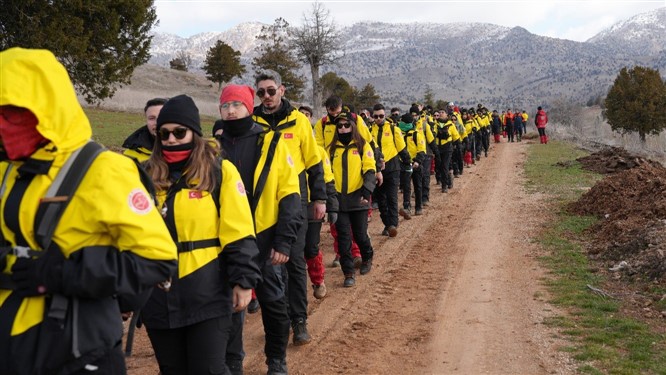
353	165
203	203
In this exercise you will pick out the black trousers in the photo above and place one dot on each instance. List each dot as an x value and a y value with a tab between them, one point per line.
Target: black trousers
445	152
509	131
485	133
297	279
195	349
387	198
425	176
274	315
406	180
312	239
478	137
357	221
542	131
457	158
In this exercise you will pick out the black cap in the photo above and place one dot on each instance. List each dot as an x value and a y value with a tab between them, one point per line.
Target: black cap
407	118
180	110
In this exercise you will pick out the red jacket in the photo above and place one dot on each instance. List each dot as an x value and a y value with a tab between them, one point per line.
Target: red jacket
541	119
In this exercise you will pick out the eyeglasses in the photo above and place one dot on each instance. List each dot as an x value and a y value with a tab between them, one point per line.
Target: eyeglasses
178	133
271	92
395	114
377	116
345	125
234	105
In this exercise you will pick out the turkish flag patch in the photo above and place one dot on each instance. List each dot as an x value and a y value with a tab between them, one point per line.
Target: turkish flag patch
195	194
288	135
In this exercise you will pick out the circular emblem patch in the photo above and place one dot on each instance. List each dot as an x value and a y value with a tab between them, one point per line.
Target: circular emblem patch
139	202
240	187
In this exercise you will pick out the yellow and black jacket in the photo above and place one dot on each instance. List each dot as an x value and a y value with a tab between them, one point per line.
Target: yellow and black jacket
297	135
423	125
277	212
112	237
325	128
391	144
213	240
354	171
446	132
415	145
329	178
139	145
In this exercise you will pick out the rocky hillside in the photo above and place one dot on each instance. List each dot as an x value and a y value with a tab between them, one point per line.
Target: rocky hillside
468	63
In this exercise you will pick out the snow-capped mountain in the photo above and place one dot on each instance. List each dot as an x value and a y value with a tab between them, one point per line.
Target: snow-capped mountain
479	62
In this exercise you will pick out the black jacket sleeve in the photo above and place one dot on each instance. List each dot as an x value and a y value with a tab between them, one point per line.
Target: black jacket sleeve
332	204
238	259
316	183
103	271
290	219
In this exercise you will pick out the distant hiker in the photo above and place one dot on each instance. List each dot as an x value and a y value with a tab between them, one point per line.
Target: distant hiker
417	150
540	120
496	125
139	145
307	111
525	116
446	135
509	124
353	165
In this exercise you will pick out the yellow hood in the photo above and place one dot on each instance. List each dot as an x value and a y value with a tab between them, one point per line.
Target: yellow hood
34	79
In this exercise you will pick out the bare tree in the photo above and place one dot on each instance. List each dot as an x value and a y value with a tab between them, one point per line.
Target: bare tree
316	43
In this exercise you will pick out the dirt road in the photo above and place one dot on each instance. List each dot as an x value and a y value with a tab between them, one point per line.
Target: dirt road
456	292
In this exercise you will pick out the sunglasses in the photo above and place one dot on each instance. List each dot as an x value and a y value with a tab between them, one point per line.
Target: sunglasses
271	92
178	133
377	116
344	125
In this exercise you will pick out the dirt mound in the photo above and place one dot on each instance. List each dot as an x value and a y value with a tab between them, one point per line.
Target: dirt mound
631	203
612	160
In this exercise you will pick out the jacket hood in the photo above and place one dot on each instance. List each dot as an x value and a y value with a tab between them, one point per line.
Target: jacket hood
34	79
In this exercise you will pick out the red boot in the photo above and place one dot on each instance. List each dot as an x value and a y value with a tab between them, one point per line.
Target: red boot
545	139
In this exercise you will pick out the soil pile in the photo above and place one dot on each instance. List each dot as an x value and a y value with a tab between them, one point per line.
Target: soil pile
631	203
612	160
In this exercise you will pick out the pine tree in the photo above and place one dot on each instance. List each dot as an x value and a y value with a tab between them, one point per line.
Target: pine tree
275	54
637	102
222	64
99	42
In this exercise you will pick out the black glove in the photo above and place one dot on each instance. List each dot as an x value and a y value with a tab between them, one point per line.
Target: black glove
38	276
332	217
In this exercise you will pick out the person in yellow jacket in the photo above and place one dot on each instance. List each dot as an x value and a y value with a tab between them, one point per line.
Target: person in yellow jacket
277	115
139	145
203	203
416	147
446	136
59	305
269	175
424	124
392	146
353	165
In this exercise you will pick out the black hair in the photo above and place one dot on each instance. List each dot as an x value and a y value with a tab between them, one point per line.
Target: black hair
378	107
305	107
153	102
333	101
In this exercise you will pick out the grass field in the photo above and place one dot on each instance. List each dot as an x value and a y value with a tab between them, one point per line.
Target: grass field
110	128
603	339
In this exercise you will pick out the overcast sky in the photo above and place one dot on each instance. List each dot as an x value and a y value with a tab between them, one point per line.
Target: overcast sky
574	20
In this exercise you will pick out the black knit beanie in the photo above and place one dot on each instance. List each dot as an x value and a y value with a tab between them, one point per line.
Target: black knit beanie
180	110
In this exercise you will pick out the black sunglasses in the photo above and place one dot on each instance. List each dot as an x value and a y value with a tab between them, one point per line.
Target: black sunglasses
345	125
377	116
178	133
271	92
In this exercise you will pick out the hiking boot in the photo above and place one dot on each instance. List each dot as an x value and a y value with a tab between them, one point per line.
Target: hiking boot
392	231
336	262
235	366
366	267
319	291
349	281
404	212
418	212
277	366
426	203
253	306
445	189
385	232
301	335
357	262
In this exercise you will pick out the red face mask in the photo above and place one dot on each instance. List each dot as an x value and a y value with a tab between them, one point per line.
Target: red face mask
18	132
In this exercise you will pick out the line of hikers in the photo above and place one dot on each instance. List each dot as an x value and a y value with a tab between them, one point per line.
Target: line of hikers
190	232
